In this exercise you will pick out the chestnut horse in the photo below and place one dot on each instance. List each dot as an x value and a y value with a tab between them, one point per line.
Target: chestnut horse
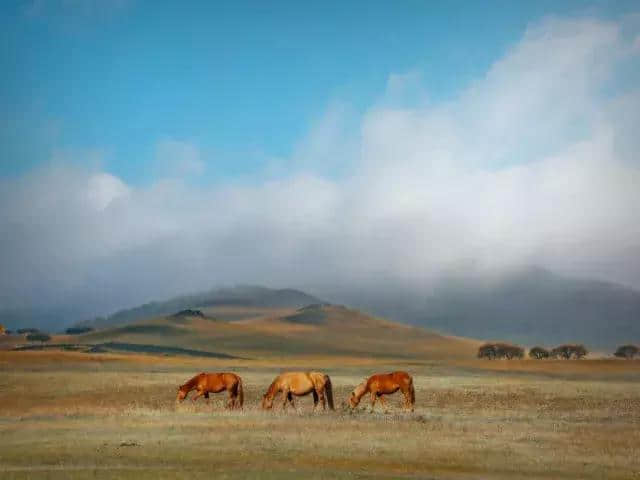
385	384
299	384
205	383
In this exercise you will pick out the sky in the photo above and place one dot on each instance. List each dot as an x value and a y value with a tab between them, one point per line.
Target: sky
155	148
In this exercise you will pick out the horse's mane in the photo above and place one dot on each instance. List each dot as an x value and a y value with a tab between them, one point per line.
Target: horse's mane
272	387
360	390
191	383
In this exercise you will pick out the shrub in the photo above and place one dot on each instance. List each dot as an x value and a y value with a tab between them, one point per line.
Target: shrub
38	337
579	351
487	351
539	353
627	351
569	351
510	351
500	350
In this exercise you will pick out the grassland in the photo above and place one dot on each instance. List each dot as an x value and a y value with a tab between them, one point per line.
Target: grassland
77	415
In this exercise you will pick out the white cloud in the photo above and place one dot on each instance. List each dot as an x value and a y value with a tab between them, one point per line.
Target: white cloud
103	188
532	164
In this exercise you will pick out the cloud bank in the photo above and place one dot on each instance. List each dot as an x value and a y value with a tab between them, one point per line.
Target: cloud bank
534	163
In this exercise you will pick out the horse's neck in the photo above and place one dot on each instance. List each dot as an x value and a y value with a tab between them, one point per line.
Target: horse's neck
273	388
361	390
191	384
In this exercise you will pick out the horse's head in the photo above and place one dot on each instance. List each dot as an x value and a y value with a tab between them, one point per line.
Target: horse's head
182	393
356	395
267	402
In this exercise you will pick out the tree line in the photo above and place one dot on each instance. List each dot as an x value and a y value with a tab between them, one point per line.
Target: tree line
498	350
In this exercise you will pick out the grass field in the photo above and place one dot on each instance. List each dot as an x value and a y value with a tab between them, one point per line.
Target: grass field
75	415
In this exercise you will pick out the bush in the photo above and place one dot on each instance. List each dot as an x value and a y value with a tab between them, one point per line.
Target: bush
569	351
627	351
539	353
487	351
500	350
78	330
38	337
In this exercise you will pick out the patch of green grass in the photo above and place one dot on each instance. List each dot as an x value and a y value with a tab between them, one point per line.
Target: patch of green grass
161	349
312	315
149	329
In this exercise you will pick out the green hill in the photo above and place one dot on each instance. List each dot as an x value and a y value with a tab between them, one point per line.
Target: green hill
241	295
262	332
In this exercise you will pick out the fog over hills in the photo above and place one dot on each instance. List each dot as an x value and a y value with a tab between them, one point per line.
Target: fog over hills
528	305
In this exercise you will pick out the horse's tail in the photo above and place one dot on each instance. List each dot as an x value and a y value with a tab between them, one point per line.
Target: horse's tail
240	392
412	393
329	390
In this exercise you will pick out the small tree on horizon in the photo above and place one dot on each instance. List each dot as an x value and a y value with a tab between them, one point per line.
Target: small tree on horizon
38	337
539	353
500	350
579	351
627	351
569	351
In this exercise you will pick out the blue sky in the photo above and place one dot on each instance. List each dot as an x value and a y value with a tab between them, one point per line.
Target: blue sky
149	149
242	80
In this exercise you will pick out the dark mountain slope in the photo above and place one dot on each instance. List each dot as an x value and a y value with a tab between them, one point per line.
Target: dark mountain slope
250	296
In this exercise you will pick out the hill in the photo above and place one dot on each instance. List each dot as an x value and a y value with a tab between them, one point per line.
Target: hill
528	306
267	332
245	295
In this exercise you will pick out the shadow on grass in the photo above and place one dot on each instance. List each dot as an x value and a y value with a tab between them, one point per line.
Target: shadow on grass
130	347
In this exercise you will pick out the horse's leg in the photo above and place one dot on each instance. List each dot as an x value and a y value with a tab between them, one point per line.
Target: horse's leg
315	399
323	399
206	396
407	398
408	393
199	393
373	400
285	399
232	399
384	403
291	400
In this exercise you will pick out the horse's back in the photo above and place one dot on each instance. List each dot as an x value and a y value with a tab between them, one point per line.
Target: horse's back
296	381
230	378
402	376
388	382
318	377
220	380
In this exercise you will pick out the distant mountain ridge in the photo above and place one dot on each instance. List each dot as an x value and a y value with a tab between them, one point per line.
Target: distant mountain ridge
528	305
244	295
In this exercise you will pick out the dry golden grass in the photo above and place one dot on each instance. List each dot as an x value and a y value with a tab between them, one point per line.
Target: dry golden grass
72	415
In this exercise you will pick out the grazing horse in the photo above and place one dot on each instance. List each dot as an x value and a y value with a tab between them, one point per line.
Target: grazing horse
299	384
385	384
205	383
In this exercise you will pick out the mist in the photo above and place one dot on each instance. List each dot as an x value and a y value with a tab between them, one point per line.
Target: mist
534	163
